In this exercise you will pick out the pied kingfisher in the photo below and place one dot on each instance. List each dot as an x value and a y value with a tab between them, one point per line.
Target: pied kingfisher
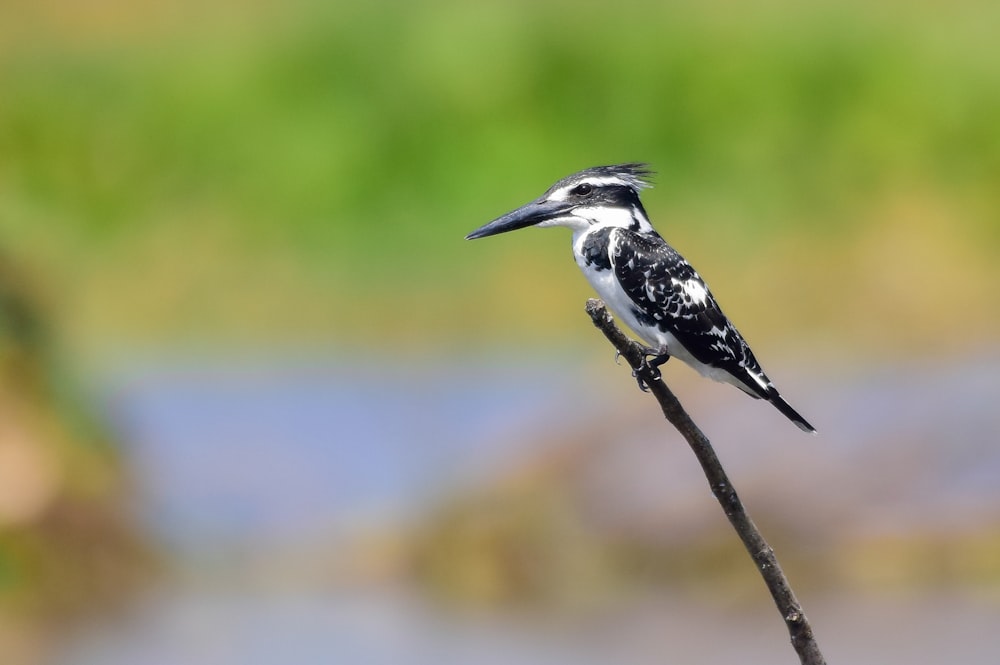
643	279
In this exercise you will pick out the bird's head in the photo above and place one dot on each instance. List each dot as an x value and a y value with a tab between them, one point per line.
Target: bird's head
603	195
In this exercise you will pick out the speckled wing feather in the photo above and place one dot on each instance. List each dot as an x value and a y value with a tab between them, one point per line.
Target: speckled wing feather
670	295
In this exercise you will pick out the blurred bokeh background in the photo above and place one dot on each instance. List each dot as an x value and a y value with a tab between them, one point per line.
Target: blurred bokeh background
260	402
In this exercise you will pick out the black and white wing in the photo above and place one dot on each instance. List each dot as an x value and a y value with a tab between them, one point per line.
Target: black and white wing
669	295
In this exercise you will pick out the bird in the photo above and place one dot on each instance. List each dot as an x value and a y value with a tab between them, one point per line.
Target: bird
642	279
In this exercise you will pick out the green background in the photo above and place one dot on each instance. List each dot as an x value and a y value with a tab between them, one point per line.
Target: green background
284	173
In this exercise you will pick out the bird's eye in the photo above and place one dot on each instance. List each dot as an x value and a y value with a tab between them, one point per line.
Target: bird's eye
582	189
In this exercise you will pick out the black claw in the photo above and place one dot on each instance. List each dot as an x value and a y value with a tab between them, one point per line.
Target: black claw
658	360
642	384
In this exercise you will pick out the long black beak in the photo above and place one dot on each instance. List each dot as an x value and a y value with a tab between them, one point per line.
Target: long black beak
527	215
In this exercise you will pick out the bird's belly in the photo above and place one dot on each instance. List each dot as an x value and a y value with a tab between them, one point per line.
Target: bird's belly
607	287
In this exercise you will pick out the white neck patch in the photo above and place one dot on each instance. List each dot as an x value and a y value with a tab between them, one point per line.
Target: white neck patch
603	216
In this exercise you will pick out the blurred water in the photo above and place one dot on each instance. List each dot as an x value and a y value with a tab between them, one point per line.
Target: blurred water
234	458
254	452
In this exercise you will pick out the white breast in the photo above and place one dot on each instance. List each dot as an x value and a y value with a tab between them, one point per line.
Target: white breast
610	291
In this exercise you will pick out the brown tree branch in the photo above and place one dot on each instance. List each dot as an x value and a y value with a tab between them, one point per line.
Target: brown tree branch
763	556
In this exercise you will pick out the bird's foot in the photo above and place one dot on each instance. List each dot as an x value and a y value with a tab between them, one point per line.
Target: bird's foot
650	364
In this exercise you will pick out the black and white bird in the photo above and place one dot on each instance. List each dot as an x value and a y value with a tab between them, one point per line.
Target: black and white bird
642	279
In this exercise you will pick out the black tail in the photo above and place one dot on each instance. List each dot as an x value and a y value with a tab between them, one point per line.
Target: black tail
779	403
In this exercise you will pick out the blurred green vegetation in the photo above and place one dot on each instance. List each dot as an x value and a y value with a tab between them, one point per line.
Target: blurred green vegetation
305	171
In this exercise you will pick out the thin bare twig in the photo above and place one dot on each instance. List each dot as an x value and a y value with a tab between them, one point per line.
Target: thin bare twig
763	556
